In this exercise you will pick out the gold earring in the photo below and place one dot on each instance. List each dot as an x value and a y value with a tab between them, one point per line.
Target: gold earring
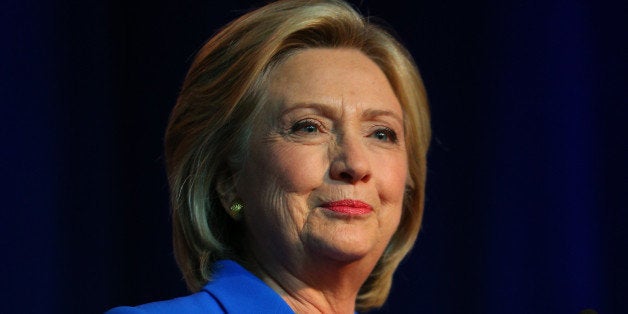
235	210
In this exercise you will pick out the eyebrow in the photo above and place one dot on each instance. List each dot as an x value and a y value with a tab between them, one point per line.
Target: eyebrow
325	109
372	113
332	111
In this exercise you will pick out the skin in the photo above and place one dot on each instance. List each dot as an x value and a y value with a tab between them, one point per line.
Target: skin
333	130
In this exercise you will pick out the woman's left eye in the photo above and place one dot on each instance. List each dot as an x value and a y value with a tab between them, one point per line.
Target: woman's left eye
385	135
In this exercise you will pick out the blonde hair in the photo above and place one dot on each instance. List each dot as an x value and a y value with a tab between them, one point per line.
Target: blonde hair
209	127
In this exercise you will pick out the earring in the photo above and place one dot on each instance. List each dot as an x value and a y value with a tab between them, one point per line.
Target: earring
235	210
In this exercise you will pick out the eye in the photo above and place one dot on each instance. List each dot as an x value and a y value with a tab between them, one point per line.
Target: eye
306	126
385	135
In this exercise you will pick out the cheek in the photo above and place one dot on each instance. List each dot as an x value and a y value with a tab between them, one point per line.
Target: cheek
275	185
391	189
393	173
278	177
298	169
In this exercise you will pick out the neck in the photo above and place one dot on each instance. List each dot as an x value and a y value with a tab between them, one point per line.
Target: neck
317	286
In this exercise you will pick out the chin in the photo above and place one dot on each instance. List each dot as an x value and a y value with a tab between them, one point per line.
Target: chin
345	247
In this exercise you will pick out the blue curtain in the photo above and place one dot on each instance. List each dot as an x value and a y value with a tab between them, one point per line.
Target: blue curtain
526	197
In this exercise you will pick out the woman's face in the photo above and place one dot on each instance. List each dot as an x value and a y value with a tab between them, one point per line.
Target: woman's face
327	165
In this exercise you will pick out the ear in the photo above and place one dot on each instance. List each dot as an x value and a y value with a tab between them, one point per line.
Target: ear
226	188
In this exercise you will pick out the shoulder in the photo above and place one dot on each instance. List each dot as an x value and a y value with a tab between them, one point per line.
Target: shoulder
233	289
200	302
239	291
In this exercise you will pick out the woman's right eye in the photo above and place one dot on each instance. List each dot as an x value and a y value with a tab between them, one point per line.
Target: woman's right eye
306	126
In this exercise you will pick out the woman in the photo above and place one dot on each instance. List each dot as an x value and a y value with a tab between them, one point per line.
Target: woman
296	156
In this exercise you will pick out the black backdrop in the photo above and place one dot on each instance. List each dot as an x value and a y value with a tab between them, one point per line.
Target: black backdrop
526	199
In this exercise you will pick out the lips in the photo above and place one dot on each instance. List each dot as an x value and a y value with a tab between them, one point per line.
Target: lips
349	207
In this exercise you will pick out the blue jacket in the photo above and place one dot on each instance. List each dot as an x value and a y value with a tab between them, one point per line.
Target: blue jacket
233	289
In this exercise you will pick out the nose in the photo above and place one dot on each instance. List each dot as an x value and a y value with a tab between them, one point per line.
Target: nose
350	161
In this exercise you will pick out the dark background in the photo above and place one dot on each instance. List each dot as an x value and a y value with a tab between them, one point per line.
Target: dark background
526	207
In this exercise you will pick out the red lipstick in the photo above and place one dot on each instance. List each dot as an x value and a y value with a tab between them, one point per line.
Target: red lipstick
349	207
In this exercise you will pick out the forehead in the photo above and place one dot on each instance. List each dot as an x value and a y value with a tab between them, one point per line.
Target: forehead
335	77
